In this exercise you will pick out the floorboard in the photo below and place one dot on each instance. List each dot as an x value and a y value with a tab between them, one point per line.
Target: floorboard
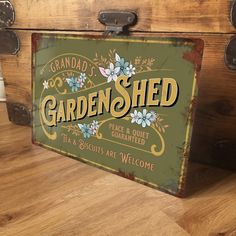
44	193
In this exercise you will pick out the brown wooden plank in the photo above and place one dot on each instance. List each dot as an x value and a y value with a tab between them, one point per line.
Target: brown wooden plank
215	123
153	15
44	193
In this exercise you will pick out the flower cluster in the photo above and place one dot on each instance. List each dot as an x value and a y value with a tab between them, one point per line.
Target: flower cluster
90	129
76	83
143	118
119	68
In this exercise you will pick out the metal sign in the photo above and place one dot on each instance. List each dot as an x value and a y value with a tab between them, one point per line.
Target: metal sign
122	104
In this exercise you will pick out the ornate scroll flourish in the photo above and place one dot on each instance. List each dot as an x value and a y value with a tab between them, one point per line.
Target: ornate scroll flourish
57	83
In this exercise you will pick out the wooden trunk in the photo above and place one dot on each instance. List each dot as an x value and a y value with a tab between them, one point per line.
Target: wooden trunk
214	138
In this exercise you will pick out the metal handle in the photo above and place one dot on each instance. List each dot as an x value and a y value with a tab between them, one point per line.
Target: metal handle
117	22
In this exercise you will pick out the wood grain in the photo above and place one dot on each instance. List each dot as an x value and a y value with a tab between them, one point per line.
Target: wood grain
153	15
44	193
215	124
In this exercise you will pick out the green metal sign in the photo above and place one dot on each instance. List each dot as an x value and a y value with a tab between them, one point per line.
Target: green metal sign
122	104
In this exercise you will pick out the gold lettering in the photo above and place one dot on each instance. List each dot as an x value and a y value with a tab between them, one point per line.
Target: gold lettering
104	100
152	91
53	69
67	59
92	71
139	92
92	103
52	105
71	106
73	62
123	102
84	66
169	85
145	93
82	106
61	112
62	64
57	64
78	65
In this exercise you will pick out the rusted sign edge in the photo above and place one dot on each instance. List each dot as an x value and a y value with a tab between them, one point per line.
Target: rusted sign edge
195	57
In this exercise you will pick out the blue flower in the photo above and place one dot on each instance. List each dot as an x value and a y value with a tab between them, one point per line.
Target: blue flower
86	130
122	64
83	77
144	118
73	83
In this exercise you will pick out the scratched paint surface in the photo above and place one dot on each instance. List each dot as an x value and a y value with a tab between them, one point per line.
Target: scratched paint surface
122	104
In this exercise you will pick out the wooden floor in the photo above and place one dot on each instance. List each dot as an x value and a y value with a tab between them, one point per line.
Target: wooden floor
43	193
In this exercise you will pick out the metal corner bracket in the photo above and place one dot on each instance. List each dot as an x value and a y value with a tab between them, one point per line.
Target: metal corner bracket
230	54
233	13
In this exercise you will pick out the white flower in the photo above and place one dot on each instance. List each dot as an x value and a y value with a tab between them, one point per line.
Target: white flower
83	77
153	117
130	70
45	84
95	124
80	83
94	127
144	118
112	73
117	57
134	117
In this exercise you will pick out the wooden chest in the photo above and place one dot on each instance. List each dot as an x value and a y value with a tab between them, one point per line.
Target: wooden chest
214	137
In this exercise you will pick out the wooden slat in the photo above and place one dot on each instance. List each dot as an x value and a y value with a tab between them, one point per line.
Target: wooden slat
215	122
153	15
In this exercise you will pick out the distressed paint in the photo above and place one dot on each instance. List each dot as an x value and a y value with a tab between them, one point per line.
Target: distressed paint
195	56
144	148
